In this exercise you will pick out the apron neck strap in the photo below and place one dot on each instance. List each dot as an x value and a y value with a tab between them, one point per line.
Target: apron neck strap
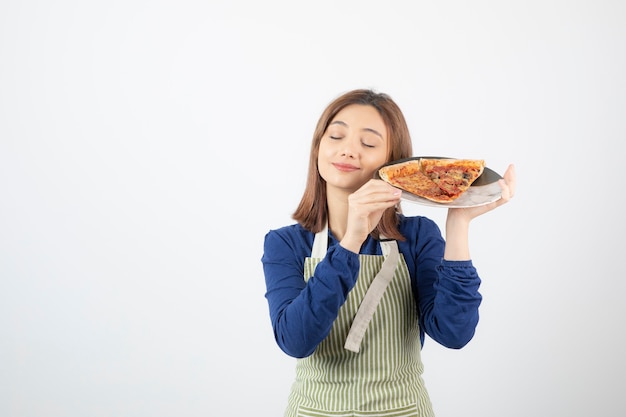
320	243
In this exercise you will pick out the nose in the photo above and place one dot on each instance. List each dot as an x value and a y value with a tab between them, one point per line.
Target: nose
347	153
349	148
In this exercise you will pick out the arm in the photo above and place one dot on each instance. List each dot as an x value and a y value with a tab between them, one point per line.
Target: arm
302	313
446	291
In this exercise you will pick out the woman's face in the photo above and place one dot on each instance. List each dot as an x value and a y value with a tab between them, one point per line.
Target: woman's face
353	147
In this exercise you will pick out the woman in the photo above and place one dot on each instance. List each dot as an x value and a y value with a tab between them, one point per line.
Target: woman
355	285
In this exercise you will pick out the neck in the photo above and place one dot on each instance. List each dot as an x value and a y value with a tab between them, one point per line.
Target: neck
337	201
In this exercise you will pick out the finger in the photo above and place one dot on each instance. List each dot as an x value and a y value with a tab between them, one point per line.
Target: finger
505	194
376	184
377	192
510	179
374	202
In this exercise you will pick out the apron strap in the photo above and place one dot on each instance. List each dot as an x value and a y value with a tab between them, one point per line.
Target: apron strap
374	292
320	243
372	297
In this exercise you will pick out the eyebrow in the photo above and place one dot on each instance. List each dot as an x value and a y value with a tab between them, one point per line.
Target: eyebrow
366	129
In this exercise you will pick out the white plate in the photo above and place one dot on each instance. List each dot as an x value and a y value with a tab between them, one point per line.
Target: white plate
483	191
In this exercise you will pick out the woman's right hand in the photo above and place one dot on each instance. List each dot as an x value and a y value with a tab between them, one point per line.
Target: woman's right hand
365	209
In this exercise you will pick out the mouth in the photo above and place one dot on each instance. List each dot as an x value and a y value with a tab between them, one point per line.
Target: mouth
345	167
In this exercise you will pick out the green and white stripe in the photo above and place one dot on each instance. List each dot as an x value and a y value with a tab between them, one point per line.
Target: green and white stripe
384	378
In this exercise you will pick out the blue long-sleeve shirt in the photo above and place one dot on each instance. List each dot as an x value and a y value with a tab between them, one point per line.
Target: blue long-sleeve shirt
302	313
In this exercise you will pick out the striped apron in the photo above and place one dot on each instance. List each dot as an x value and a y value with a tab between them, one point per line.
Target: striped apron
382	375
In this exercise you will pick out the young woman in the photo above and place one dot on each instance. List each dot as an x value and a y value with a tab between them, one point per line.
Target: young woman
355	285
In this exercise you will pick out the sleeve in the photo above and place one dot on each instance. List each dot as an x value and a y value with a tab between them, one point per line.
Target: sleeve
447	292
302	313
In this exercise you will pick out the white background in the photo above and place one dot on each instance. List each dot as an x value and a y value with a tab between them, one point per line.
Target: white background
146	147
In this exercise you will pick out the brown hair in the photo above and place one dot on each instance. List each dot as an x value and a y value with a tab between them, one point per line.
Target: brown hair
312	212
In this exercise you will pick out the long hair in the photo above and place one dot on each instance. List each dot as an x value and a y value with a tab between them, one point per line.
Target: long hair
312	212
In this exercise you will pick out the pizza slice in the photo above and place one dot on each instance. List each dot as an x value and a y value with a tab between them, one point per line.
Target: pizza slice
409	177
437	179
